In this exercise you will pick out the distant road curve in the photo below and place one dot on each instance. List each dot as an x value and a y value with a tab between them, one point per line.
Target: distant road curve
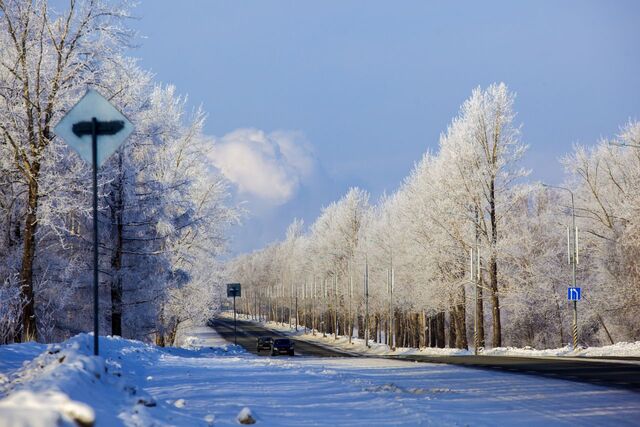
613	372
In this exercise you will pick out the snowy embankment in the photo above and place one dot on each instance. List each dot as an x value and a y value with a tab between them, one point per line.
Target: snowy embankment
357	345
210	382
63	384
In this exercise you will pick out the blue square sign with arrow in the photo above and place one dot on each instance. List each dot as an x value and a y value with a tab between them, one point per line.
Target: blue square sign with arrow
574	294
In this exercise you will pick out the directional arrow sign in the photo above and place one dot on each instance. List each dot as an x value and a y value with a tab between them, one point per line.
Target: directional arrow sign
574	294
111	126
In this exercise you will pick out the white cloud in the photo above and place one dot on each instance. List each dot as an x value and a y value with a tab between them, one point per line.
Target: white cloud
269	166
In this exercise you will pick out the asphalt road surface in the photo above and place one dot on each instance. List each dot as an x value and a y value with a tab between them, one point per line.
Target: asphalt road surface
617	372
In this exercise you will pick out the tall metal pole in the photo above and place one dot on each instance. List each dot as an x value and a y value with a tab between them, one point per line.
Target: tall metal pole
235	336
574	259
323	308
314	324
94	155
366	301
476	280
392	321
335	303
350	323
388	332
475	314
574	262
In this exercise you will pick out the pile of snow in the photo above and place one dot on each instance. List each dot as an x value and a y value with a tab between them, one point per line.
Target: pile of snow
202	345
621	349
246	416
205	340
52	408
66	385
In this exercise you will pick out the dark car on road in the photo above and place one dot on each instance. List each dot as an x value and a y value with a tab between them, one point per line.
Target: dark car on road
264	343
282	346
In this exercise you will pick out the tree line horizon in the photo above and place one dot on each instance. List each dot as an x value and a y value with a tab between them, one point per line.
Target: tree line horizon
466	220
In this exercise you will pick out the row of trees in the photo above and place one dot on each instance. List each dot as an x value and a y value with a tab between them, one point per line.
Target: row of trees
466	248
163	210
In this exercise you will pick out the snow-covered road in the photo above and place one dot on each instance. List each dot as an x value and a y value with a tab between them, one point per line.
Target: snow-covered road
199	386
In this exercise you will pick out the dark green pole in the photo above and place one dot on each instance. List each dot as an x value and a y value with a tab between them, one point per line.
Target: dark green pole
94	149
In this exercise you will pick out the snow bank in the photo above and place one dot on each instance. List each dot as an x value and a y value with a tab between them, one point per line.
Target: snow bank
204	339
203	347
621	349
67	385
64	384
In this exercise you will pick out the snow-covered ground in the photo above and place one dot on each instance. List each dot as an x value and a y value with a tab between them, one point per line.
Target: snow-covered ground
623	349
209	382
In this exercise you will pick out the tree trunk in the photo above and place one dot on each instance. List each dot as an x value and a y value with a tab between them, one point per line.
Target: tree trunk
432	331
480	309
452	327
160	342
116	262
461	324
495	304
478	289
493	271
440	330
606	330
416	331
423	329
29	324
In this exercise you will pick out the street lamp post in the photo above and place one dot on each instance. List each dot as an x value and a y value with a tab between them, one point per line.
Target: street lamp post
475	279
574	260
335	303
366	301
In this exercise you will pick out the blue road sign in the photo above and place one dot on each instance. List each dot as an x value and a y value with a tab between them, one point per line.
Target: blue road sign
574	294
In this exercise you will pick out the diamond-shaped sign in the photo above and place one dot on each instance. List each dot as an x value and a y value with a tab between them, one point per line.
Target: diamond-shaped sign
93	105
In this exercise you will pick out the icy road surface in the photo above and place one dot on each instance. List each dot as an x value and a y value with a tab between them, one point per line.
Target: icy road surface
201	386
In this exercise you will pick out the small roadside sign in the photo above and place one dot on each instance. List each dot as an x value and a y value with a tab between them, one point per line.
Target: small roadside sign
574	294
234	290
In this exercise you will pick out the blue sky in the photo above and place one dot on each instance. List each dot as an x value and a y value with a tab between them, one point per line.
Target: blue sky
307	99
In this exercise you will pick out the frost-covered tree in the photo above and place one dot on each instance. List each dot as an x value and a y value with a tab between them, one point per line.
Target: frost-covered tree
470	196
163	211
606	182
483	149
47	58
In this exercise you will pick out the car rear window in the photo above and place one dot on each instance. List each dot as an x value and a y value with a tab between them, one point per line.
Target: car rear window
282	342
